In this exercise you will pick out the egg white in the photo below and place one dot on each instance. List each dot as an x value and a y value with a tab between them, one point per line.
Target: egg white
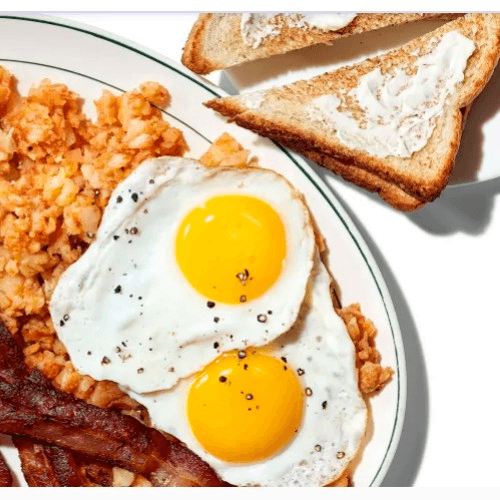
330	433
125	311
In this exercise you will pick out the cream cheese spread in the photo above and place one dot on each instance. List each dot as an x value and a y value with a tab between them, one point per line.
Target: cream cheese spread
253	100
397	112
257	27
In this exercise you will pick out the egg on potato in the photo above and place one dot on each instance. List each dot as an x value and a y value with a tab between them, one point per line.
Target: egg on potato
286	414
188	262
204	296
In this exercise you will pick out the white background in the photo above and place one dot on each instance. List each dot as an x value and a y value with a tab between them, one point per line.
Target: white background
442	269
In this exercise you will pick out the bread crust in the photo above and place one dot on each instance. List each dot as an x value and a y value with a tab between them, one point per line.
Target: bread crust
389	192
192	57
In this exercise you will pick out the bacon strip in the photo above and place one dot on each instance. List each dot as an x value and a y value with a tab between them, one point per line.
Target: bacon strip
5	474
47	465
30	406
36	464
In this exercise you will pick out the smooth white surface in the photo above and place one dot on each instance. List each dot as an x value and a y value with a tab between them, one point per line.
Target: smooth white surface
442	269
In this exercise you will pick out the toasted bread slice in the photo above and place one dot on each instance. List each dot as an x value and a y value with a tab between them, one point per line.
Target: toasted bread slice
398	116
217	41
389	192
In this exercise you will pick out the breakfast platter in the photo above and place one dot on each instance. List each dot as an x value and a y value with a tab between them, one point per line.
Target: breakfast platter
89	60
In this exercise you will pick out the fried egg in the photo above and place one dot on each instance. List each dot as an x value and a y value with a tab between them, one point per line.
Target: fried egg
286	414
188	262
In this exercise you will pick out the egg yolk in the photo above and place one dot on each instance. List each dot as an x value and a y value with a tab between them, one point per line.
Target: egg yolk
245	406
231	249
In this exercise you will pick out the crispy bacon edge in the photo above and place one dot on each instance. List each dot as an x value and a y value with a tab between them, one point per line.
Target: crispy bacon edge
6	478
52	466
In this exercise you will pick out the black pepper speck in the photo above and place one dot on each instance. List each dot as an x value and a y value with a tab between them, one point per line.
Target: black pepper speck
210	304
216	345
118	289
119	199
261	318
222	378
135	197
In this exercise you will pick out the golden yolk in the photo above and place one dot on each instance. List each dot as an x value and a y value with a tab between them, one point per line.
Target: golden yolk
232	248
245	406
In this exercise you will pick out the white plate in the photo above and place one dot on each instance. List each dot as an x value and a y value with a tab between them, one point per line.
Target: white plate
478	158
89	60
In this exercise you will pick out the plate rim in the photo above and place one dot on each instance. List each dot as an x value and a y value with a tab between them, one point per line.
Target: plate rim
312	177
